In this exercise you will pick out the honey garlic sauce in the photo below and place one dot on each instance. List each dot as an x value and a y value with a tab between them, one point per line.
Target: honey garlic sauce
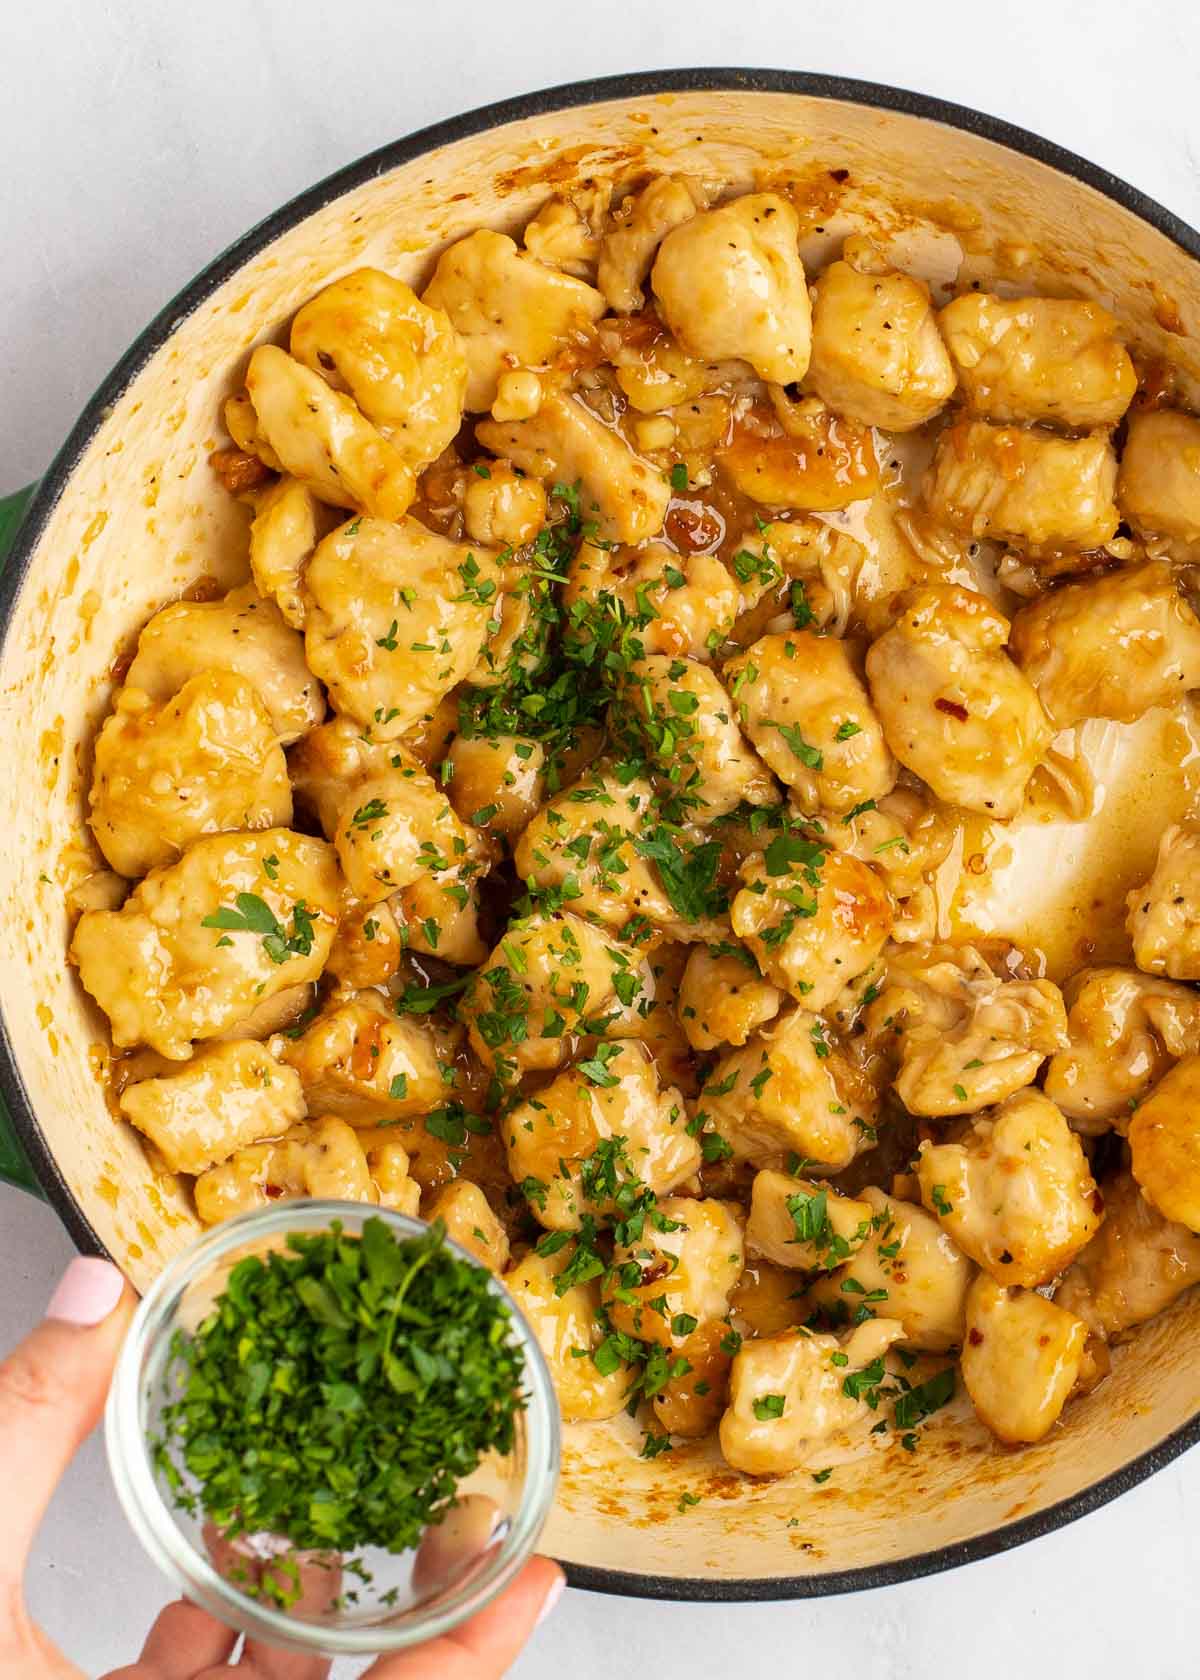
1060	885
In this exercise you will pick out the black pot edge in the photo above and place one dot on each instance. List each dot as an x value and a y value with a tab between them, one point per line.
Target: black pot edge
632	85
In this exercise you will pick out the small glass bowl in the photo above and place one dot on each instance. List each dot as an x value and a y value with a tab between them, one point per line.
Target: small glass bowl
460	1565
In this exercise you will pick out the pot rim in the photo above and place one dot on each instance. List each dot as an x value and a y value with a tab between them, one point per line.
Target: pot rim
597	90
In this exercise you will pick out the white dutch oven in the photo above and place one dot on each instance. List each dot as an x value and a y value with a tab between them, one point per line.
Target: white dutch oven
130	514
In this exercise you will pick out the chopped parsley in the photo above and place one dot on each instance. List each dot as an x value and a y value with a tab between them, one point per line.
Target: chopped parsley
769	1406
254	915
338	1392
811	757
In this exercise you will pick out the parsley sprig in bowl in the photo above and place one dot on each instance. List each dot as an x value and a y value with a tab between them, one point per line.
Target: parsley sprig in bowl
318	1402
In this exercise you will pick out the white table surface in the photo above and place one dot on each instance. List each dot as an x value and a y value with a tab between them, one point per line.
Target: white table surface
139	137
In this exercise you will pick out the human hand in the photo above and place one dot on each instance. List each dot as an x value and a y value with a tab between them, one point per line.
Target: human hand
52	1393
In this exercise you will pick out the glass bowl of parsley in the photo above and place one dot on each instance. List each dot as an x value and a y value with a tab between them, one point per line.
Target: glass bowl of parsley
333	1429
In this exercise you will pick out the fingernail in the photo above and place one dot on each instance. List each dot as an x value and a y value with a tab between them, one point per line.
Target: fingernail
551	1598
87	1292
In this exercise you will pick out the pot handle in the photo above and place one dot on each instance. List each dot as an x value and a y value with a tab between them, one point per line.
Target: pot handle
14	1168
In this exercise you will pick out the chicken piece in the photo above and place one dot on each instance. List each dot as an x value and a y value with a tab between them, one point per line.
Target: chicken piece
730	283
847	585
364	1064
227	1096
815	461
463	1209
788	1091
1124	1031
787	1394
1164	1144
877	355
390	1168
1111	646
518	395
1133	1268
669	1280
508	309
366	950
954	708
563	234
517	637
690	618
323	1160
1045	495
804	706
332	760
241	423
1158	487
655	373
397	618
906	837
549	978
1017	1195
288	524
441	914
1164	914
600	1125
652	1017
200	943
566	1322
322	439
803	1226
908	1269
1020	1360
826	563
501	507
813	919
1036	358
600	834
696	1390
687	721
394	827
723	998
965	1038
243	634
564	443
400	360
205	762
500	774
627	251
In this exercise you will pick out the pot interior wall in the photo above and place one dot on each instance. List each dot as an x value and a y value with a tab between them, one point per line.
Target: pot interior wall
143	517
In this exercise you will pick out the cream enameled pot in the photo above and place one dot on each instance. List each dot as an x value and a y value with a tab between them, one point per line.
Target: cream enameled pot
130	514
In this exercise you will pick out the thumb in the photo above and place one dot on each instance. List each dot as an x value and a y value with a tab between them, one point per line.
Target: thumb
52	1392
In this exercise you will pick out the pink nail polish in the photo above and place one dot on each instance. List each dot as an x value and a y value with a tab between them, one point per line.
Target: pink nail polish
551	1599
87	1292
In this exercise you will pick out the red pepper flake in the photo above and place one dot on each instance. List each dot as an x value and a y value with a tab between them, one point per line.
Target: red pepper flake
952	708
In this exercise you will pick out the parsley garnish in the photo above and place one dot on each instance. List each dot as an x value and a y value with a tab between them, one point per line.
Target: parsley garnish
688	875
421	1000
340	1390
596	1069
769	1406
926	1398
254	915
808	755
373	811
